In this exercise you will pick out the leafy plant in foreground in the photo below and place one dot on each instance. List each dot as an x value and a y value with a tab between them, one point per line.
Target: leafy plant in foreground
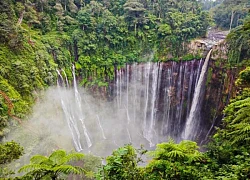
123	165
176	161
54	167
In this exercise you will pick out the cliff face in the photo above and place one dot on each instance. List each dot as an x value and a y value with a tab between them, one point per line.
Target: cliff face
220	87
158	96
214	40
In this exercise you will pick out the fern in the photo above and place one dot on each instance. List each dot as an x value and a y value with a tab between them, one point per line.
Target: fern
176	154
186	151
57	155
66	169
54	165
71	157
37	159
237	120
34	167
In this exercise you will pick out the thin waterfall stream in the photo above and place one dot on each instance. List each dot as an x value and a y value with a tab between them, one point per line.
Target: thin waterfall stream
193	120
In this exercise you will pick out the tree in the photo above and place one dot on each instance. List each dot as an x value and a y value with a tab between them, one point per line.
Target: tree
134	12
54	166
229	147
175	161
239	43
229	13
237	116
244	78
123	164
9	33
9	151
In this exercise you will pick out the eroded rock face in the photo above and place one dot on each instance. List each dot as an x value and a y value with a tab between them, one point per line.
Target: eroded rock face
214	40
158	96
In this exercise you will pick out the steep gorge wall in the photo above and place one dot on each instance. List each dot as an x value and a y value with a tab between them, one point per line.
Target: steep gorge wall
215	40
163	94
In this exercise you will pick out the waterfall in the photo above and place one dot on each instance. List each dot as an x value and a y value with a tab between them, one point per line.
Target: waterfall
150	108
67	82
193	120
148	103
68	112
60	78
72	108
158	97
101	128
79	109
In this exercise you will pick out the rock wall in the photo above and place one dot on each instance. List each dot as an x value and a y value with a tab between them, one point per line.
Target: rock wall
214	40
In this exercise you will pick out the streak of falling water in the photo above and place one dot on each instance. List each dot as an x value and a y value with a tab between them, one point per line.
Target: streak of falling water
129	136
146	79
99	124
198	73
70	118
117	87
191	77
79	105
127	93
73	128
153	102
66	78
192	122
59	74
179	97
166	126
120	90
134	78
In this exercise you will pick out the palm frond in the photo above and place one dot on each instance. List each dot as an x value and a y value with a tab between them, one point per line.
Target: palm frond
37	159
175	154
33	167
188	146
197	156
72	157
67	169
57	155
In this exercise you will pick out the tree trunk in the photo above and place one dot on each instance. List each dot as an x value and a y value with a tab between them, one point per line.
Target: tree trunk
232	18
20	19
135	28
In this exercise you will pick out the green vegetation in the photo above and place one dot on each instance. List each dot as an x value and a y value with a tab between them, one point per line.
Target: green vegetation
53	167
175	161
8	152
39	36
226	156
230	13
123	164
239	43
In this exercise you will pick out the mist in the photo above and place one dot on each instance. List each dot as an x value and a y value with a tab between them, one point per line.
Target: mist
145	104
47	128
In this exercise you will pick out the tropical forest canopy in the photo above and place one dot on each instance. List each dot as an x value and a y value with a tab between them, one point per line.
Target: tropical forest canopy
39	36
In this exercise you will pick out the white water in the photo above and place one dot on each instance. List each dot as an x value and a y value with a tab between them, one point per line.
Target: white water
70	119
151	102
192	123
67	82
99	124
72	109
133	99
79	110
